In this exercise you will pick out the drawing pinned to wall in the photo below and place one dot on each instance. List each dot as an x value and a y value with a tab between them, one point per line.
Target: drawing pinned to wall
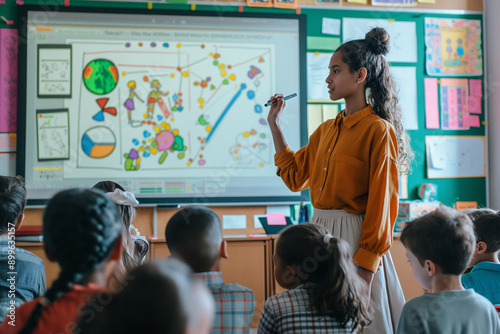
403	45
394	3
259	3
406	82
317	71
53	134
455	156
173	107
285	3
323	2
8	80
453	47
454	104
54	71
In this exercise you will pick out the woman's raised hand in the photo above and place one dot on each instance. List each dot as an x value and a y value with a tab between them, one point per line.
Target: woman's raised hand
275	111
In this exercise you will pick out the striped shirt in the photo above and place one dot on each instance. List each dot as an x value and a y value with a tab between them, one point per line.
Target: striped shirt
291	312
234	304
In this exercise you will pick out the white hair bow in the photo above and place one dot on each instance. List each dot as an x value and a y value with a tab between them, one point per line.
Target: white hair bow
123	197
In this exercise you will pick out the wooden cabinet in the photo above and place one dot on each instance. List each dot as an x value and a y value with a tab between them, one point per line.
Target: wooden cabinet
411	288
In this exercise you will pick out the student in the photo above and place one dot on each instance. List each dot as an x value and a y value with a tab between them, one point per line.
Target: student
82	233
439	245
325	293
168	301
29	280
194	235
135	247
351	166
484	276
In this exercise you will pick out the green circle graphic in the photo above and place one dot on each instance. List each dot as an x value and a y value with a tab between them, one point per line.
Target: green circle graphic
100	76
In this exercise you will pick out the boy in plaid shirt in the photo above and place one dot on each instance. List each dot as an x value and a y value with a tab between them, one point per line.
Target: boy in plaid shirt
194	235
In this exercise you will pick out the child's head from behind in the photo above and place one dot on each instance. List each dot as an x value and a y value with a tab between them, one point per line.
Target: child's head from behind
181	304
194	235
487	230
443	238
127	211
125	202
12	202
307	253
81	229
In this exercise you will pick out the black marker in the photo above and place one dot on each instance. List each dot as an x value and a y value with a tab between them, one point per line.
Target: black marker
285	98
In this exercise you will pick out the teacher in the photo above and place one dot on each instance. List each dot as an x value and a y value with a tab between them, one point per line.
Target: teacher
351	166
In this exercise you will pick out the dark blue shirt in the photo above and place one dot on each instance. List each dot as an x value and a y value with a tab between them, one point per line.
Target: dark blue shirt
28	274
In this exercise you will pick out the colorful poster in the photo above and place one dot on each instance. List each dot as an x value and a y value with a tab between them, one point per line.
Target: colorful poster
453	47
454	104
8	80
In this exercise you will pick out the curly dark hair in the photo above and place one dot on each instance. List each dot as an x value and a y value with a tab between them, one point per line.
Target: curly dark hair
368	53
337	290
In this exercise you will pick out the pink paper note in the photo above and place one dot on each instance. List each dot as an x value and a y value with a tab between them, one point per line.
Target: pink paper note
476	87
475	105
275	219
472	121
8	80
431	103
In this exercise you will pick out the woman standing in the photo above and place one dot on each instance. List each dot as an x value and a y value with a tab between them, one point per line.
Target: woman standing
351	166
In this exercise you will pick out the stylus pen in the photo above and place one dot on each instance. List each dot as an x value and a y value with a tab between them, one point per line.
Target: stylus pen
285	98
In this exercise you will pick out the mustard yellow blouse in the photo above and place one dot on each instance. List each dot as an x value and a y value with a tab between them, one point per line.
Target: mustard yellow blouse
350	163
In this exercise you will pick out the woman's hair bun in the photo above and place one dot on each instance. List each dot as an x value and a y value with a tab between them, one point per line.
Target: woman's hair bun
378	41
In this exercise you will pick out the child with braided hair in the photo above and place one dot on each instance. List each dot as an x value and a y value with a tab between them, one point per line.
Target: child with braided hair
82	233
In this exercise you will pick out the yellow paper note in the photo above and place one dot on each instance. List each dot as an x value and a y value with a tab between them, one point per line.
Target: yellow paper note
358	1
314	117
330	111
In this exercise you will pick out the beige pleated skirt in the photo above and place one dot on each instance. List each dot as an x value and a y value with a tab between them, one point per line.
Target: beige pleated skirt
387	298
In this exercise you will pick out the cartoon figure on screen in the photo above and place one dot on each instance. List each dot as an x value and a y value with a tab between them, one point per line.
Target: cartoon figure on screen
449	49
460	48
155	97
351	166
129	103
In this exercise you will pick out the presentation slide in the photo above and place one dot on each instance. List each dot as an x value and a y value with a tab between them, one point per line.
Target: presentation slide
170	105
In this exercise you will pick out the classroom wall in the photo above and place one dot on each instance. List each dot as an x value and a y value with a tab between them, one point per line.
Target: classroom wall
492	95
449	190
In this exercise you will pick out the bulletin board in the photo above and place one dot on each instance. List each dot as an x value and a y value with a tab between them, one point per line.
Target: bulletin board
450	190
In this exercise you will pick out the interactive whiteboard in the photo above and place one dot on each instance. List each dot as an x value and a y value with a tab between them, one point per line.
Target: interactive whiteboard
168	104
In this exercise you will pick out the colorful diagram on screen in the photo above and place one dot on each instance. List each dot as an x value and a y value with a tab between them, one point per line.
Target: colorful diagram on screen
98	142
100	76
178	106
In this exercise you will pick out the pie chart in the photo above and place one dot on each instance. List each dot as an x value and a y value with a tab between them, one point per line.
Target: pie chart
98	142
